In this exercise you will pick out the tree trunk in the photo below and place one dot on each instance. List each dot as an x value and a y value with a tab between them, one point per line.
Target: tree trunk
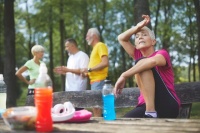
157	14
141	7
166	37
86	26
101	24
189	69
193	67
61	43
197	8
29	31
9	35
124	68
51	46
1	37
192	47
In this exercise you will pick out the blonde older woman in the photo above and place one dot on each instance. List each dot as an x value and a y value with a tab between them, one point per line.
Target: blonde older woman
33	68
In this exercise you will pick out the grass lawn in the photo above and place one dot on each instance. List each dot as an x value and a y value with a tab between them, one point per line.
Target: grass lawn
22	100
195	113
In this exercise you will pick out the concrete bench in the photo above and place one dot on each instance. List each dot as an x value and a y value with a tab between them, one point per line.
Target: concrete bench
187	92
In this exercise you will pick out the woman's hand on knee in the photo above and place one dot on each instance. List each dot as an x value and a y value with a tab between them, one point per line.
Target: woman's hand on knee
119	85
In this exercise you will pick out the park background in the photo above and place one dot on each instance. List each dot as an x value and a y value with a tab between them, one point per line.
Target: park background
24	23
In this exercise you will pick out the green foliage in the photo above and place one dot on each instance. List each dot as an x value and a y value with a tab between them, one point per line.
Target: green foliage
175	30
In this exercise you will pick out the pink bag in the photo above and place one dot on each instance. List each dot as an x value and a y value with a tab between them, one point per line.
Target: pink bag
81	116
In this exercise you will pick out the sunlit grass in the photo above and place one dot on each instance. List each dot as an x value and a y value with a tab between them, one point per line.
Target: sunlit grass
122	111
195	112
22	100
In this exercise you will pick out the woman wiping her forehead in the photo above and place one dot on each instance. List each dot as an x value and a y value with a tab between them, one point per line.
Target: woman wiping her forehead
153	73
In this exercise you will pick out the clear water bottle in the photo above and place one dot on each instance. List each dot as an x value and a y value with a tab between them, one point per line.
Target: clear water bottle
43	100
3	95
108	101
43	79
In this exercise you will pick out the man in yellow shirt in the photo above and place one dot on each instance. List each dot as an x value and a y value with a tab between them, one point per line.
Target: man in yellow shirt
98	64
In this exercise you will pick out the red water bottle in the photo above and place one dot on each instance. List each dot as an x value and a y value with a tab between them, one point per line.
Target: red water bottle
43	101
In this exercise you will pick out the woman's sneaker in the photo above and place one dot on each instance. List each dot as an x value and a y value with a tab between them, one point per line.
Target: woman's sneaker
148	116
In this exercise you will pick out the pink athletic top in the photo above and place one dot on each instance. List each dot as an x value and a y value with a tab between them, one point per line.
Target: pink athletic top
166	73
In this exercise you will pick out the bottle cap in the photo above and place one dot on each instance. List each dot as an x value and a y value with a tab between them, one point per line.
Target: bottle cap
1	76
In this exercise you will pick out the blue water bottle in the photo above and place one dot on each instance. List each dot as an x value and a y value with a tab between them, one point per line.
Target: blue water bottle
108	101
